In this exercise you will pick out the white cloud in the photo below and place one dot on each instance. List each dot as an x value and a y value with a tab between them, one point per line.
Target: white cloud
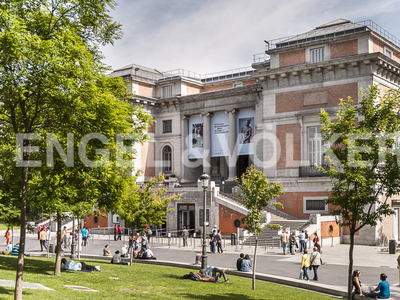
208	36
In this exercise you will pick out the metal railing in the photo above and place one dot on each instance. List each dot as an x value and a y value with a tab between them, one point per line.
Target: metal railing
327	33
312	171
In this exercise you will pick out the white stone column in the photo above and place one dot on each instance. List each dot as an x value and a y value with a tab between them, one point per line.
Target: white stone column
184	147
232	143
207	142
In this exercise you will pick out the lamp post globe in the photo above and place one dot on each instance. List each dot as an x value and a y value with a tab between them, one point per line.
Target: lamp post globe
205	178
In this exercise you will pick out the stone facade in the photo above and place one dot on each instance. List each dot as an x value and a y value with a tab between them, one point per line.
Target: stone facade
284	95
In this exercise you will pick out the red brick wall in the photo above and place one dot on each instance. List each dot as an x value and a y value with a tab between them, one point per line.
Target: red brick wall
225	86
293	202
292	58
293	101
344	49
192	90
376	46
145	90
249	82
396	57
226	218
90	223
346	230
325	229
293	150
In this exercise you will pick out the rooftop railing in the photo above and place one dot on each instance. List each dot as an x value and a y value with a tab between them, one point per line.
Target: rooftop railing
327	33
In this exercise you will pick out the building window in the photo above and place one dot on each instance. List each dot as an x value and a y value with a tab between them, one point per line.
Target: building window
201	216
167	159
167	91
167	126
388	52
317	55
314	205
315	150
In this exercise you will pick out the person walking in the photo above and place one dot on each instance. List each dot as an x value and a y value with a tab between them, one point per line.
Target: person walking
144	241
130	243
148	234
39	229
212	241
43	238
64	237
184	236
315	262
119	232
7	236
84	236
219	241
302	238
115	232
305	263
284	241
48	236
293	243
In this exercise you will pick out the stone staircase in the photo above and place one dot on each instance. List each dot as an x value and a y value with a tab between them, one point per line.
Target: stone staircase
270	237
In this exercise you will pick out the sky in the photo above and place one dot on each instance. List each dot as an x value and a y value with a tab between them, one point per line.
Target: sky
206	36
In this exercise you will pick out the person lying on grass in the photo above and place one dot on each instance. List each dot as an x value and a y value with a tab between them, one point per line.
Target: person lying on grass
209	275
80	266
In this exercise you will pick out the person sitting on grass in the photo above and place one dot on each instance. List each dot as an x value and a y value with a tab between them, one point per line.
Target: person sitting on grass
136	252
80	266
15	250
198	258
117	259
106	251
246	264
210	275
124	251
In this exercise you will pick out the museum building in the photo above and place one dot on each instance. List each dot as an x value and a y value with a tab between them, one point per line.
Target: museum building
266	115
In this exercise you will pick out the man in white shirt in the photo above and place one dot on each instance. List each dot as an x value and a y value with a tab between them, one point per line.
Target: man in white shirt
302	238
149	254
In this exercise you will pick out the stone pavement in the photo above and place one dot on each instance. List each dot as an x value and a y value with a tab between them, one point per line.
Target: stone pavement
368	259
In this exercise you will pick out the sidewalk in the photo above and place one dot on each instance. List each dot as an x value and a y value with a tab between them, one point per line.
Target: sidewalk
271	263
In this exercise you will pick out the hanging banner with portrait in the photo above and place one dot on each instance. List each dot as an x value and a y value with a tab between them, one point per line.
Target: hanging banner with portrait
245	132
219	135
195	137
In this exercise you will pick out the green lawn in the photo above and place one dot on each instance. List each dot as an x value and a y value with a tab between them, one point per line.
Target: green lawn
151	282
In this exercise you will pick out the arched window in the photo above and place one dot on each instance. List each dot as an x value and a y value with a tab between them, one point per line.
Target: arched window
167	159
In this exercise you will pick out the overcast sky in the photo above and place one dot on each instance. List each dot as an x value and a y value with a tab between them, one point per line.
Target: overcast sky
208	36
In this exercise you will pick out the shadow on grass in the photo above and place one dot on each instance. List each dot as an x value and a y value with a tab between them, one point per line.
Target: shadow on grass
30	266
173	276
218	297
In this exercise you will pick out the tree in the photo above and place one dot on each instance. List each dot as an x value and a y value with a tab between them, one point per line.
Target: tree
362	152
147	204
49	50
257	193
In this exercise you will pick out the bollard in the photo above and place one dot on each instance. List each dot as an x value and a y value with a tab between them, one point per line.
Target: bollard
169	242
265	243
179	243
321	241
224	243
250	242
109	238
152	242
162	241
332	242
242	245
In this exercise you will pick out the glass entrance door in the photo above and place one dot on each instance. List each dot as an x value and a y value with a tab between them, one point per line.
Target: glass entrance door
186	219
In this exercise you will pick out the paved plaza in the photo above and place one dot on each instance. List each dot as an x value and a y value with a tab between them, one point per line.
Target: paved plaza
368	259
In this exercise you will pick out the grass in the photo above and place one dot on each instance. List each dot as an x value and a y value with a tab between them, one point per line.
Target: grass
151	282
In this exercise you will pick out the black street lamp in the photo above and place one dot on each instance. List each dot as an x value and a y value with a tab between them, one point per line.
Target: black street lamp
205	178
73	242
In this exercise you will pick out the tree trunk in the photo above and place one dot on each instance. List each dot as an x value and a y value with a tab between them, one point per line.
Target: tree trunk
254	264
349	283
20	266
131	247
57	269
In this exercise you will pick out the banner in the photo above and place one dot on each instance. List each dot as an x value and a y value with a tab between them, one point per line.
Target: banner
219	135
245	132
195	137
